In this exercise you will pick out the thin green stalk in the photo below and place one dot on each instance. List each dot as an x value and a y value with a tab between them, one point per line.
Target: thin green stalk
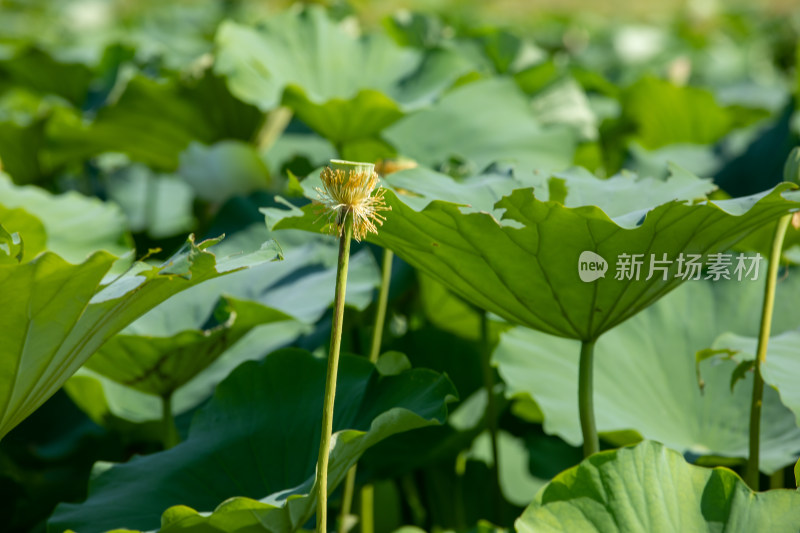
411	493
383	300
273	126
752	470
347	497
151	199
367	524
591	443
330	381
169	432
491	404
776	480
367	509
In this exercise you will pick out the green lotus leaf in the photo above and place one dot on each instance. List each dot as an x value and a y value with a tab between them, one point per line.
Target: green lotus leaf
131	412
351	123
508	52
309	50
343	86
11	247
28	237
343	120
781	369
154	121
760	241
58	314
622	197
300	286
664	114
516	482
649	487
565	102
311	149
37	71
744	161
418	187
442	352
23	120
19	149
326	60
160	365
463	125
263	410
160	204
645	375
701	159
75	225
520	258
450	313
123	385
226	169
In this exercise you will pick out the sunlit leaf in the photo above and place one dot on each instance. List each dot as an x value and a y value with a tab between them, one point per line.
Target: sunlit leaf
300	286
345	86
56	315
23	236
483	122
75	225
651	488
520	258
664	113
325	60
159	365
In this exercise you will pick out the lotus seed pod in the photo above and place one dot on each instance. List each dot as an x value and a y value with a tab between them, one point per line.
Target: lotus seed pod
352	166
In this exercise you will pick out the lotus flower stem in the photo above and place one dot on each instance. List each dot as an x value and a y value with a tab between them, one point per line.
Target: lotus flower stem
169	431
491	404
347	498
591	443
352	204
367	508
367	491
751	470
333	367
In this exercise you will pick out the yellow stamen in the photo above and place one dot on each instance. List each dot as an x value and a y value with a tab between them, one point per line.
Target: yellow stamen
351	191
